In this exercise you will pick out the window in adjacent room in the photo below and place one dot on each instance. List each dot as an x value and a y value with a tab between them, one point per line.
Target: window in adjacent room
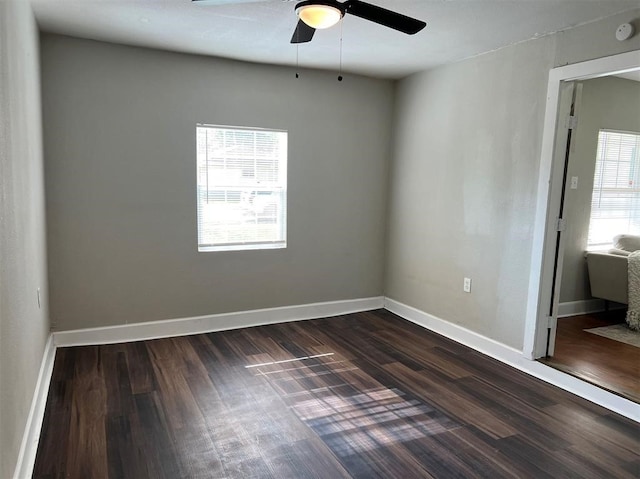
242	188
615	203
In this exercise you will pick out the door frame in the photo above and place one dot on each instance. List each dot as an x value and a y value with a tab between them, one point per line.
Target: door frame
539	326
568	106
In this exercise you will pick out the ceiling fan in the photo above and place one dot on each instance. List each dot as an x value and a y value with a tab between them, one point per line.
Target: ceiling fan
319	14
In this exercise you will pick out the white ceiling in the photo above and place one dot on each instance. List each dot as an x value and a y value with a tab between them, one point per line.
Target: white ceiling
260	31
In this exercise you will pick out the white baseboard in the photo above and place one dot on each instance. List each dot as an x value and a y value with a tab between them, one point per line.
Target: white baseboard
29	446
216	322
459	334
585	306
516	359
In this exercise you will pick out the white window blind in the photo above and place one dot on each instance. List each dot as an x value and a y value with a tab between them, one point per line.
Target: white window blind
242	188
615	203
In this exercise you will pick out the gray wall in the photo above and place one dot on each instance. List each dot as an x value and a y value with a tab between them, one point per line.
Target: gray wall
120	174
463	185
23	326
464	179
610	103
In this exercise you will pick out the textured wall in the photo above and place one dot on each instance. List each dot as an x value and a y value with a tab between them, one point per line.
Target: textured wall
121	196
23	326
464	178
596	40
607	103
463	185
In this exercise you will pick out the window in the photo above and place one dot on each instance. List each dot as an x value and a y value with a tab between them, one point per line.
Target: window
615	203
242	188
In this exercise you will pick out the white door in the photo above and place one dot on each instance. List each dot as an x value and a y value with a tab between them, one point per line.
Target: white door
570	96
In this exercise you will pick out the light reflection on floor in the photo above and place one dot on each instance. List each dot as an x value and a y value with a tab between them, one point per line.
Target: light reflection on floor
351	411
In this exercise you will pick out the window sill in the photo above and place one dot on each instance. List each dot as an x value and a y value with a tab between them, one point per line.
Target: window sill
241	247
599	248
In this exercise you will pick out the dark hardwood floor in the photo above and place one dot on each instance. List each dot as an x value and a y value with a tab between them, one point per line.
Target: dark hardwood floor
610	364
365	395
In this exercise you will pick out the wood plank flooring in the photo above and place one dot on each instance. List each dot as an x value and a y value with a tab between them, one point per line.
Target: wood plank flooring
610	364
360	396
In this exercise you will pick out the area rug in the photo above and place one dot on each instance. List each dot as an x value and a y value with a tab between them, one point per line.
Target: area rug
618	332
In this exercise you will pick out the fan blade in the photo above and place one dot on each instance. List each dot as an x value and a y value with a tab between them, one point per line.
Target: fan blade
303	34
385	17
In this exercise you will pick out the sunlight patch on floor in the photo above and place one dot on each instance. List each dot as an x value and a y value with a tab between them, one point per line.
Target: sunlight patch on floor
351	411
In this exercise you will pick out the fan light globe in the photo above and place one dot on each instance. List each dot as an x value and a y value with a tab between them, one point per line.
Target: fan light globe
319	16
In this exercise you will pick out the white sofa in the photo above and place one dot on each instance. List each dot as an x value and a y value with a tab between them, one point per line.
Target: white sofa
608	270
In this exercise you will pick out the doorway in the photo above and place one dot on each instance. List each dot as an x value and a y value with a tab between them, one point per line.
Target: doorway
543	300
600	201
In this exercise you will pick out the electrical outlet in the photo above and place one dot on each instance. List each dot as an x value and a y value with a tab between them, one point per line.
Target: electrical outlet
466	287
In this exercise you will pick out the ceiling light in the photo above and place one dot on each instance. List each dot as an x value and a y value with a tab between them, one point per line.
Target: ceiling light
319	14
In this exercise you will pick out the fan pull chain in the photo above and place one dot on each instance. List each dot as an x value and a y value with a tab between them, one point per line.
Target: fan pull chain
340	72
297	61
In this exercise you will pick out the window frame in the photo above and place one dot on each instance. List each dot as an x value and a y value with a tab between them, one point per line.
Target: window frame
635	190
252	189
